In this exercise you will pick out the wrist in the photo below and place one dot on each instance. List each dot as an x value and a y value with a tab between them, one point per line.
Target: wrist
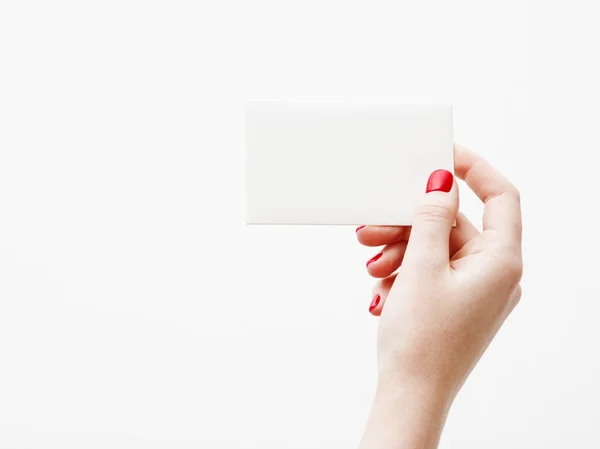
436	381
406	414
425	395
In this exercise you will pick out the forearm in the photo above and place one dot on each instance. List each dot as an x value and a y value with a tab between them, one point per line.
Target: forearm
406	416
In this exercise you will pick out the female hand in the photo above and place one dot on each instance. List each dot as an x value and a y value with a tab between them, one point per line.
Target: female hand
453	290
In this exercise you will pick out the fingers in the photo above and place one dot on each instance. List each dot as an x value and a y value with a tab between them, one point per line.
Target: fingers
380	294
387	261
502	211
433	221
381	235
390	258
395	240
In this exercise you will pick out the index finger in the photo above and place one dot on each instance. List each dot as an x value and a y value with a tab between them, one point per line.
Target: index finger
502	210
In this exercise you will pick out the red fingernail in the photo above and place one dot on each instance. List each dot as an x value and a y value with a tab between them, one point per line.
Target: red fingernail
374	303
374	258
440	181
360	227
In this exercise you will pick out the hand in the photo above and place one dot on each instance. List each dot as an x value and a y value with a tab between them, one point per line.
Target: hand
454	288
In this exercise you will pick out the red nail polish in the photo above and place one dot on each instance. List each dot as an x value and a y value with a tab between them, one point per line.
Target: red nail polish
374	303
440	181
360	227
374	258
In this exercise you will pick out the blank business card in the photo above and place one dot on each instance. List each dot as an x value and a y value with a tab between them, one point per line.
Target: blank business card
342	163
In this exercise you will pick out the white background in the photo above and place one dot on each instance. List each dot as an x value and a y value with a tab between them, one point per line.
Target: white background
136	308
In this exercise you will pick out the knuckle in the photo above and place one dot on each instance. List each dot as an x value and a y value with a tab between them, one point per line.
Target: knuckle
434	213
514	193
515	298
518	294
513	267
507	191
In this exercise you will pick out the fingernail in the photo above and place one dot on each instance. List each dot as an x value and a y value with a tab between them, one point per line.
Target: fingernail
374	303
374	258
440	181
360	227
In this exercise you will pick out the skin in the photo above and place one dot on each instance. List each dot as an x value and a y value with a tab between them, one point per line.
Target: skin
453	289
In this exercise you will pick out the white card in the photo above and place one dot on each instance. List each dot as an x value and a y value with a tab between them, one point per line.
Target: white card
342	163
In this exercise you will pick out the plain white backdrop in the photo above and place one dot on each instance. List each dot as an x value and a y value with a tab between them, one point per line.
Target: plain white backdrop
138	311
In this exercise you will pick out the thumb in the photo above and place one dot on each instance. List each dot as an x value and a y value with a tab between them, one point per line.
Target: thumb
433	221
